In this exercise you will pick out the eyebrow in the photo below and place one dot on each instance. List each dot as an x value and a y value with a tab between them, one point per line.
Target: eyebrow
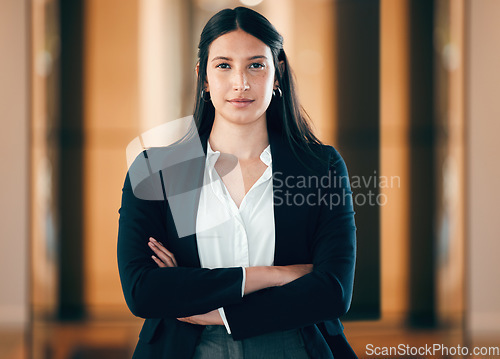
230	59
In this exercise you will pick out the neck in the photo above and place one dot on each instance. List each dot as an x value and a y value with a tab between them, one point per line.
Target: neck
243	141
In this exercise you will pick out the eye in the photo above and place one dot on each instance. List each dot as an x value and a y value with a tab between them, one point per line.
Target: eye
257	65
223	65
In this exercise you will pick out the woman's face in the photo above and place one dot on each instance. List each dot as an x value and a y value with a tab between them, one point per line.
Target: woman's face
240	78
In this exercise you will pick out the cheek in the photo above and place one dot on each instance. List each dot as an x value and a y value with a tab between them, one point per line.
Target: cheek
217	86
212	80
265	84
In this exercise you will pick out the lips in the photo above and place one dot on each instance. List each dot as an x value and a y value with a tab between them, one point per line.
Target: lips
241	102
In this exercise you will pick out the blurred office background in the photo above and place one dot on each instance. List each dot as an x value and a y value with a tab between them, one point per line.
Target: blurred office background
405	89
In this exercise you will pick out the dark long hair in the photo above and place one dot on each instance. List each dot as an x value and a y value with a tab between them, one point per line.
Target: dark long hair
284	114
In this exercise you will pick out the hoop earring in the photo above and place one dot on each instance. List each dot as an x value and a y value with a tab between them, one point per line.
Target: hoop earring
202	95
279	91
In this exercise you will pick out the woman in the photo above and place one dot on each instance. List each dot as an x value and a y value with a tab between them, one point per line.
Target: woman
256	260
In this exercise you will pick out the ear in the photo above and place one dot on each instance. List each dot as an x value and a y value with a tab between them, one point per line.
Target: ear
281	66
197	69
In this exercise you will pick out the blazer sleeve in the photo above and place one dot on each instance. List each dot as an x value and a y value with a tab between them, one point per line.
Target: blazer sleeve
153	292
323	294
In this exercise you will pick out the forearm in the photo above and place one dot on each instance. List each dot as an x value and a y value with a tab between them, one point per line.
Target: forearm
261	277
256	278
180	292
313	298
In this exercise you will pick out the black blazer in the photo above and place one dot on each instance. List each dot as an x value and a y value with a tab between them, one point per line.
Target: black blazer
314	223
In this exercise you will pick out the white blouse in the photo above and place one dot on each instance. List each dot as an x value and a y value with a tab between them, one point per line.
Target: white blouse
228	236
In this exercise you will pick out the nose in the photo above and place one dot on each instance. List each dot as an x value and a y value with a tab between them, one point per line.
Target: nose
240	81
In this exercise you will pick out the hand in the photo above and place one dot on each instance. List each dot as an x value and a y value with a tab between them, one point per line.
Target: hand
210	318
163	257
292	272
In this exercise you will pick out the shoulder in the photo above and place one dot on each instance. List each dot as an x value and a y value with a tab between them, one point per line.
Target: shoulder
327	156
153	167
326	151
143	177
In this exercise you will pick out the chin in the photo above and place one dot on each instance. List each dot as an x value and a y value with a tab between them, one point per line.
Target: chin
244	118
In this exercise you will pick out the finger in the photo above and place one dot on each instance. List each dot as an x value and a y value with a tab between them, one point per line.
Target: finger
161	255
159	262
161	247
158	243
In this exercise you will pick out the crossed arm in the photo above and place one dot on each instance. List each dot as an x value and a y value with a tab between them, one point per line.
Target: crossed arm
166	289
257	278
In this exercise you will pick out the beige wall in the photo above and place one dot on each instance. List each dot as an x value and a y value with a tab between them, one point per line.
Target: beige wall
394	157
483	172
111	111
14	144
